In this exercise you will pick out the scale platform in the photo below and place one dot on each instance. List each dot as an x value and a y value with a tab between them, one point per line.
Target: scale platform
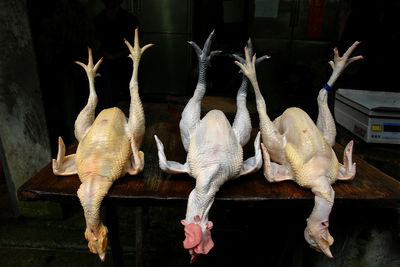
374	116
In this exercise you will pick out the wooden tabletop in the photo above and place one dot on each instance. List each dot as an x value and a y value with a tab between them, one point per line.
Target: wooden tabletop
370	184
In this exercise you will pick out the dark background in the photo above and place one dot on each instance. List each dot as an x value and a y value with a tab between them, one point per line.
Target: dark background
62	31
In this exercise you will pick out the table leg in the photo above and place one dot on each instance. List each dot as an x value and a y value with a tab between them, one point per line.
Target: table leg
298	252
139	236
97	262
113	233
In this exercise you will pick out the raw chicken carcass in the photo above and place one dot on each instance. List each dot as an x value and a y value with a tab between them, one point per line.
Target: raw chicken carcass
107	149
214	156
302	151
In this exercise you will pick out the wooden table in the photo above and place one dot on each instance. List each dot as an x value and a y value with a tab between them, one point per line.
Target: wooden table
369	187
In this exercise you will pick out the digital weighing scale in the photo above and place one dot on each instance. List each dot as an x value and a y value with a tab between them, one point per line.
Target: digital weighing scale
372	115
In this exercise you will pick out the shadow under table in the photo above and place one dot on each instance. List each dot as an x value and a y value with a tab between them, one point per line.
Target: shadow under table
370	187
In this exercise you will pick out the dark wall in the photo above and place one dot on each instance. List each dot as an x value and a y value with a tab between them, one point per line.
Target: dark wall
375	23
24	143
298	67
62	31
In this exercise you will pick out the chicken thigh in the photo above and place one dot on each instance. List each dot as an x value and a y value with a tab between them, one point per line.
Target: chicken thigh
302	151
214	156
108	149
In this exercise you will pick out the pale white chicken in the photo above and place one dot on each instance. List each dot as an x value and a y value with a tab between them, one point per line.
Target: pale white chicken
108	149
302	151
214	156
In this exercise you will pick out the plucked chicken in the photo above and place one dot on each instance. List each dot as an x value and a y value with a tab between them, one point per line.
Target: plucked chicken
214	156
108	148
302	151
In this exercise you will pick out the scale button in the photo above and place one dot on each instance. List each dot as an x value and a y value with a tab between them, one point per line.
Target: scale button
376	127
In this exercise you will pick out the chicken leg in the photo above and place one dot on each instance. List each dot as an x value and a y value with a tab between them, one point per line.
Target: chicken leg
192	111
